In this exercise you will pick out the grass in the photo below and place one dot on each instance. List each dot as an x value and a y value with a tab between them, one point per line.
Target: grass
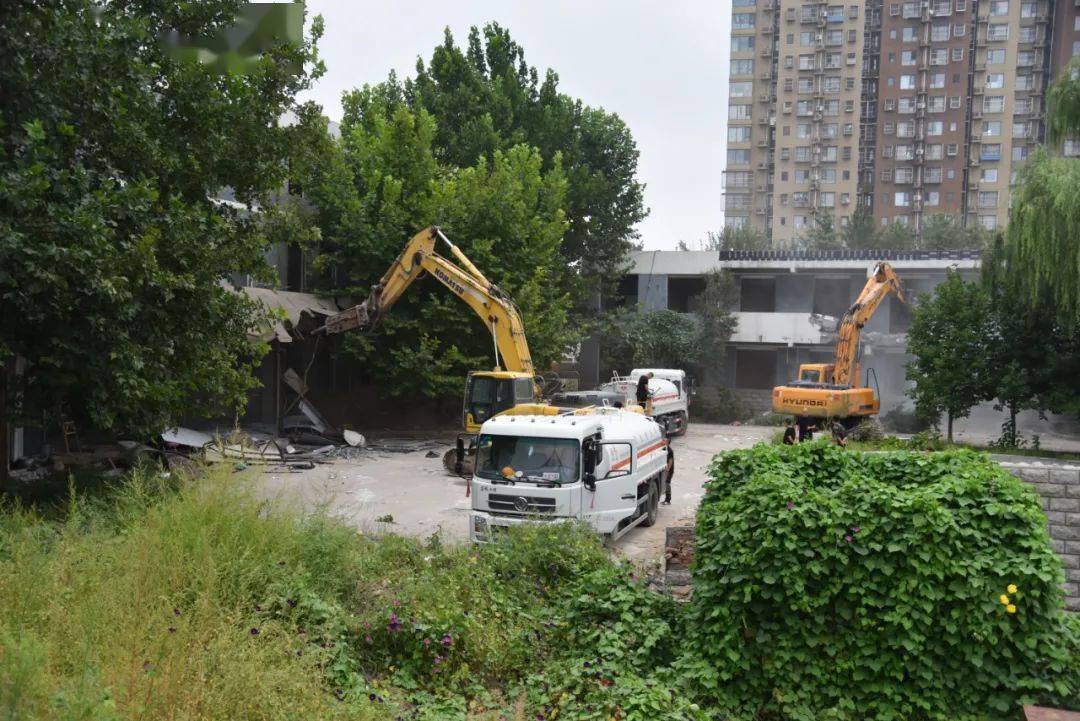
167	599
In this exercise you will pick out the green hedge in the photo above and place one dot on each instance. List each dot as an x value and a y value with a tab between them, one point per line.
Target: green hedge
839	585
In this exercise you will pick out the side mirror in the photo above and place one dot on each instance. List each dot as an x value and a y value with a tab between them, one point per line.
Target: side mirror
590	482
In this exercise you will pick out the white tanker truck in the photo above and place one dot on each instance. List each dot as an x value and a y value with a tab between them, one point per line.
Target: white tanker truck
607	468
669	396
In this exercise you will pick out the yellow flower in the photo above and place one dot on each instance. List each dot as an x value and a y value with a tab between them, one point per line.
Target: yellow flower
1004	600
1010	608
1011	588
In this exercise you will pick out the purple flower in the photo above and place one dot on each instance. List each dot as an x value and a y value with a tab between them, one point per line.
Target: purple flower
586	664
395	623
254	631
291	602
372	697
848	538
366	624
176	612
397	601
790	505
367	639
447	641
427	641
438	660
854	529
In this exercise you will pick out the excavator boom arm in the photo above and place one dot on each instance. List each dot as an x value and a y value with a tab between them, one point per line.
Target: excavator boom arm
498	313
882	282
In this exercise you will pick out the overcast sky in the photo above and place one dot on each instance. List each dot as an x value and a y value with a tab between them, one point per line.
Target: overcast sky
661	66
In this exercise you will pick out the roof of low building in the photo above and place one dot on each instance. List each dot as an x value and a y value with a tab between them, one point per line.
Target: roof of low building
699	262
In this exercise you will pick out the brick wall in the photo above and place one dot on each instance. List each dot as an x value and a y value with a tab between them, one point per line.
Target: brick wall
1059	490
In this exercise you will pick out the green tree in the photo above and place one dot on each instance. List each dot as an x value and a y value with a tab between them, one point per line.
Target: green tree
485	97
716	324
941	231
1042	243
1035	357
656	339
381	184
896	236
1063	104
861	231
951	337
822	233
112	249
731	238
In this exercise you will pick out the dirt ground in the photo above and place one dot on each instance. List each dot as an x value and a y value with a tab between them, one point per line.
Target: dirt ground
399	485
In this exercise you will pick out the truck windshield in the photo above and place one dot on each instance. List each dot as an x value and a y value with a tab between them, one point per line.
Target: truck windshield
520	458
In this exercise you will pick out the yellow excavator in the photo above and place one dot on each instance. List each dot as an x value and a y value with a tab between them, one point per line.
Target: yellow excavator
513	386
832	390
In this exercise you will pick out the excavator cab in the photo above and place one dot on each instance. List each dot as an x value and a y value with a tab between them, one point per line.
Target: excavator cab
814	373
488	393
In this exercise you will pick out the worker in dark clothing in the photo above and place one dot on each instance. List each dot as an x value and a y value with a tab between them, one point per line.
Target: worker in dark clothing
643	389
791	436
839	434
670	473
806	430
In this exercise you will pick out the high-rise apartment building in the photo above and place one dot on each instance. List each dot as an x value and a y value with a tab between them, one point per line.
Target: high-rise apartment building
905	108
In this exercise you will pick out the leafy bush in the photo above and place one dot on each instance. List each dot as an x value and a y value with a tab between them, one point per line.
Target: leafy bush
839	585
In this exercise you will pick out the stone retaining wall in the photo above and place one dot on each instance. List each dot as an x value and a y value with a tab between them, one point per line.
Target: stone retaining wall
1058	487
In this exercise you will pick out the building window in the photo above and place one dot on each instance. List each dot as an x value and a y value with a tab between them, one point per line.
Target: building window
935	104
957	54
999	7
755	368
989	222
991	128
931	198
736	156
1027	10
738	134
939	56
997	31
742	67
995	81
904	152
934	151
905	175
995	57
1020	153
906	106
954	102
994	104
932	175
742	43
902	199
738	112
990	152
742	21
907	82
757	295
905	129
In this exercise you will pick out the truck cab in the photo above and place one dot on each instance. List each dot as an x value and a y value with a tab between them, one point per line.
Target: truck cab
607	469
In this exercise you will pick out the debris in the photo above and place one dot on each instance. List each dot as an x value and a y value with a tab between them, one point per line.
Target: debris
180	436
354	439
431	454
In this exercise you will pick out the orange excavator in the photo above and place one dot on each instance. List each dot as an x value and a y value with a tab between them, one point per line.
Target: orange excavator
832	390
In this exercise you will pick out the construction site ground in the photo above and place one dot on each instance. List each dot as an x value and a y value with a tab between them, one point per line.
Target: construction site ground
398	485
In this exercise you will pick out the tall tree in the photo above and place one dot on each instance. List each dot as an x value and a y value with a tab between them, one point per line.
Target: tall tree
822	234
112	249
941	231
896	236
731	238
1042	242
485	97
861	231
951	337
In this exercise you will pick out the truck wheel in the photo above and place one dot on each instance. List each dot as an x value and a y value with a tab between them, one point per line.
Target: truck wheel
652	505
683	421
